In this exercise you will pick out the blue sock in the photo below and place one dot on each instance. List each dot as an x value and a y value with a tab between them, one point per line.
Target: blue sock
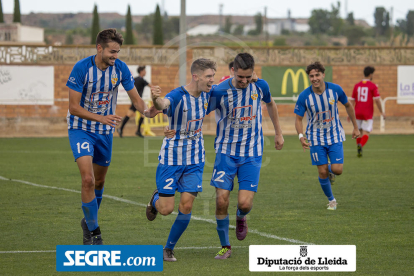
223	230
241	214
329	168
90	210
177	229
156	197
98	195
326	187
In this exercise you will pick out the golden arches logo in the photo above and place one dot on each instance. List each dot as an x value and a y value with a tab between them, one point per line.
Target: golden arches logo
295	80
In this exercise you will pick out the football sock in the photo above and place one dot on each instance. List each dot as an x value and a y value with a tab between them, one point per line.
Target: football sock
364	139
156	197
98	195
326	187
90	210
241	214
223	230
358	140
177	229
124	121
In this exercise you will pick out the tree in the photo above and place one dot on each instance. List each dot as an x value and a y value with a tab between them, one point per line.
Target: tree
354	34
227	25
1	13
350	19
258	20
95	25
129	36
336	20
238	30
69	38
410	23
382	18
158	38
16	15
319	22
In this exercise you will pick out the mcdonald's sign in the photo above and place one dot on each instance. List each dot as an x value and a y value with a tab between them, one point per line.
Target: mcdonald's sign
288	81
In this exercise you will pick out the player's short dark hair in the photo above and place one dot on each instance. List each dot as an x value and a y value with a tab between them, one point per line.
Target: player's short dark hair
109	35
203	64
140	69
315	66
243	61
231	64
368	71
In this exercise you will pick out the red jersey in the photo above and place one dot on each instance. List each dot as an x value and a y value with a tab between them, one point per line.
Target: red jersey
224	78
364	94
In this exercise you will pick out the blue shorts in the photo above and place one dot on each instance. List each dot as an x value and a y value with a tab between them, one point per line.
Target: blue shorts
319	154
85	143
182	178
227	167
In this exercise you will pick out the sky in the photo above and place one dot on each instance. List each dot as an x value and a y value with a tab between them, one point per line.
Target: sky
275	8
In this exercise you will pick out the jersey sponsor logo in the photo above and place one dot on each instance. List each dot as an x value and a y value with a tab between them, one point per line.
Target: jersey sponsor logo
331	100
238	118
295	80
114	78
192	134
323	120
99	105
254	95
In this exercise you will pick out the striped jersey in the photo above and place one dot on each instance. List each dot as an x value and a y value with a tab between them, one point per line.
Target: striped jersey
239	117
99	92
185	115
324	126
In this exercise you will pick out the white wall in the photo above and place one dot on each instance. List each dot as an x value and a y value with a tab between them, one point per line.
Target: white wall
31	34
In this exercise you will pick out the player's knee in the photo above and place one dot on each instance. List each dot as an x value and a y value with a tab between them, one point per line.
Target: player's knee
88	182
186	207
323	174
337	171
245	206
165	210
99	183
222	202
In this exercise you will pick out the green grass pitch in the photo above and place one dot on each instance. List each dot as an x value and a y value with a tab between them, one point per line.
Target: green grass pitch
375	197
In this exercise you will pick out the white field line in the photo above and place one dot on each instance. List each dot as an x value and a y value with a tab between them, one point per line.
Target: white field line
266	235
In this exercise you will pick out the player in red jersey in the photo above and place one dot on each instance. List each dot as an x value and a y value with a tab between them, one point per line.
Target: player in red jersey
231	73
363	97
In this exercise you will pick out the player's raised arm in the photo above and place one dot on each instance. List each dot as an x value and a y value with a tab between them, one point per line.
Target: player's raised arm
274	116
299	130
351	114
159	103
76	110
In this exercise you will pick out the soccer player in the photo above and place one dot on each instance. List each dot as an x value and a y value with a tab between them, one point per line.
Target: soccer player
93	87
140	84
231	72
239	144
363	96
181	159
324	132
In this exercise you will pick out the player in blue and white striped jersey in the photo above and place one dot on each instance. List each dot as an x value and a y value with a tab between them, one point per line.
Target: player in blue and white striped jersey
239	144
324	131
182	156
93	89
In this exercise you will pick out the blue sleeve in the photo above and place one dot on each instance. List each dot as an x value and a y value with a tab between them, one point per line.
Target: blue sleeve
300	107
264	86
77	77
341	95
214	101
174	97
127	78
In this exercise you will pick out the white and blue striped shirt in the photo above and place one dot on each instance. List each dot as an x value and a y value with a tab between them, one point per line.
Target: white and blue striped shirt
239	117
185	116
99	92
324	126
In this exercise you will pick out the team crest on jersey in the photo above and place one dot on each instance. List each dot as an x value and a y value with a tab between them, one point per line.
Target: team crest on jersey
254	95
331	100
114	78
205	106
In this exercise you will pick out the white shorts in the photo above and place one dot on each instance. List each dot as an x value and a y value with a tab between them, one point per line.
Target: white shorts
365	124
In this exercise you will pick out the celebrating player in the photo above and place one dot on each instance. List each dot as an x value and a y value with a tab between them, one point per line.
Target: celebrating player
324	130
93	87
363	96
182	157
239	144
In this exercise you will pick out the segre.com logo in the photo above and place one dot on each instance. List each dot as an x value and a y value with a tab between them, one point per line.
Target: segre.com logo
109	258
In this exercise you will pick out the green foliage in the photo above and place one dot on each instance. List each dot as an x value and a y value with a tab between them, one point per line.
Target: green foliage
350	19
279	41
410	23
382	18
129	36
1	13
158	37
326	22
285	32
239	29
171	26
16	14
258	20
69	38
227	25
354	34
95	25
